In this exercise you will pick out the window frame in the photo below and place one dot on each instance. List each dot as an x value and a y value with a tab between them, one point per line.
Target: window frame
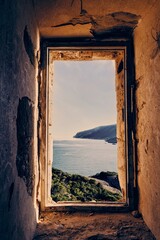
129	115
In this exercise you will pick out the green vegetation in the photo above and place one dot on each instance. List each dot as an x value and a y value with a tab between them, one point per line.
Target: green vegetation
73	187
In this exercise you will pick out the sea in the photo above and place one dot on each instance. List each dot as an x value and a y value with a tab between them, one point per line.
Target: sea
84	156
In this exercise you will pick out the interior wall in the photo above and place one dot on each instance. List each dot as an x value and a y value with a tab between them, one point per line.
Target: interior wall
147	59
18	129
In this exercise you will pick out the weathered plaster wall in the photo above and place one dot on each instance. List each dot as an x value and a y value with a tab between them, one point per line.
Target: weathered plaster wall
18	117
147	57
86	18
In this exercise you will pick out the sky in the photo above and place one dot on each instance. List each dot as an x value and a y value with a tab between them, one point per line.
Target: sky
84	96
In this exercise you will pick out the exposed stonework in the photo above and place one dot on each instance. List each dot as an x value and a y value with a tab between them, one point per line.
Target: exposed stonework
25	143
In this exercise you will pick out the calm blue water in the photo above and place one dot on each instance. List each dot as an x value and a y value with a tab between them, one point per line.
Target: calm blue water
84	157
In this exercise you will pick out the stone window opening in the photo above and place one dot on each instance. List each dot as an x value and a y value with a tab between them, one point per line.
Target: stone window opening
124	132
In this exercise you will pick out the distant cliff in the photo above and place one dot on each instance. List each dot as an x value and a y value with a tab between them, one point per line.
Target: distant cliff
108	133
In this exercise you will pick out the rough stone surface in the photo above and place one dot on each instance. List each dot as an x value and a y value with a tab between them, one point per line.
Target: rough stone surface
17	80
90	226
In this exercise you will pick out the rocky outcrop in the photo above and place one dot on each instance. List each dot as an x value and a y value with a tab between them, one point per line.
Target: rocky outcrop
110	177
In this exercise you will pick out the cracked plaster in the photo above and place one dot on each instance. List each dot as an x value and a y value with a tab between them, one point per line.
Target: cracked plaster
82	18
109	23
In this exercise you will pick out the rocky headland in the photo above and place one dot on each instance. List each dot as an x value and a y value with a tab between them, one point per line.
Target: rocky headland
107	133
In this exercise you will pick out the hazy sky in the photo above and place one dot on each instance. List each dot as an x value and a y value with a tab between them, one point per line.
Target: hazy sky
84	96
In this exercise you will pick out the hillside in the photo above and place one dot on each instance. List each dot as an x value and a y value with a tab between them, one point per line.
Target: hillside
108	133
74	187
